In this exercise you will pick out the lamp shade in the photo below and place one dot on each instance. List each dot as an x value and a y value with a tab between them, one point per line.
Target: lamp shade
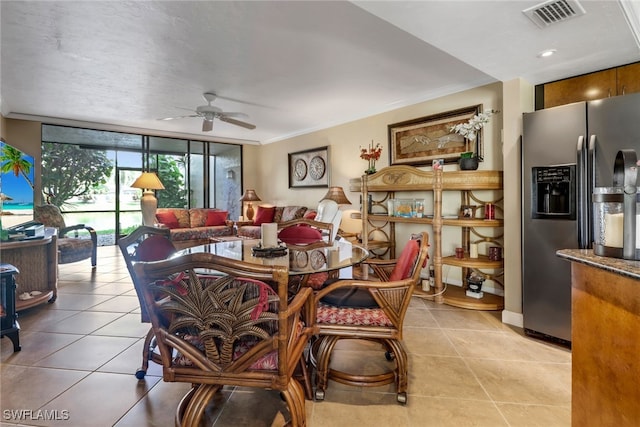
337	195
149	181
250	196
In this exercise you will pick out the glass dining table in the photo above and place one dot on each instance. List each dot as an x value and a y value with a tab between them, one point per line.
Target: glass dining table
302	260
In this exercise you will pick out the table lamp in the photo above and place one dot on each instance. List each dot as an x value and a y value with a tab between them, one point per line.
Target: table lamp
337	195
148	182
250	196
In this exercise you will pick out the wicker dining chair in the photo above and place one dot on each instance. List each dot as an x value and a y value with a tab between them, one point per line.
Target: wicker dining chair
146	244
369	310
226	322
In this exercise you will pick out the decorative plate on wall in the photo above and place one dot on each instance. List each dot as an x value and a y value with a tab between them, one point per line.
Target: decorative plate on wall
317	168
300	170
317	259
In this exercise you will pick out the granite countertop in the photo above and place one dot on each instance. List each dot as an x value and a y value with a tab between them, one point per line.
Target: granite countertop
619	266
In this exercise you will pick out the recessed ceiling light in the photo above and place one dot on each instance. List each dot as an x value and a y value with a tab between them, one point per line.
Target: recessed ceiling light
546	53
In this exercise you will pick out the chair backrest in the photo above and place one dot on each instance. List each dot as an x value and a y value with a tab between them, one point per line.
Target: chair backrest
231	318
412	258
49	215
305	231
145	244
329	211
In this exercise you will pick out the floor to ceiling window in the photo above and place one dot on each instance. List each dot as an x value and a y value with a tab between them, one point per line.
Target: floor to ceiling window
88	174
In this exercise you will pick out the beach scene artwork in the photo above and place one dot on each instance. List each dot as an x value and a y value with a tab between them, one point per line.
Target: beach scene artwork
16	186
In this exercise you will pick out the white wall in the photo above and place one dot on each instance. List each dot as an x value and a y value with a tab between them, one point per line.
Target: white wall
344	141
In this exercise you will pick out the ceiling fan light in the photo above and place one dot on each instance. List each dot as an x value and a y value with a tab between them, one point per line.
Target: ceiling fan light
207	125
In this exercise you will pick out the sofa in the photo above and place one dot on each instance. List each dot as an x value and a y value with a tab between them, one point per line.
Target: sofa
191	227
277	214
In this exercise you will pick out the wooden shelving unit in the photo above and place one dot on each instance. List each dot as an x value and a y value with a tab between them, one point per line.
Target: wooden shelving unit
386	183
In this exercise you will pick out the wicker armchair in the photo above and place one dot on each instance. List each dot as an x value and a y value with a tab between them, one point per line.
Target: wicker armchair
70	249
226	322
146	244
369	310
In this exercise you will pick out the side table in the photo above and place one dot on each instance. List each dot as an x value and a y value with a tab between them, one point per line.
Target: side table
9	317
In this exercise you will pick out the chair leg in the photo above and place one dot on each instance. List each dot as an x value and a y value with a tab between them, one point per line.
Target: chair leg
146	354
321	352
402	376
305	378
294	396
192	406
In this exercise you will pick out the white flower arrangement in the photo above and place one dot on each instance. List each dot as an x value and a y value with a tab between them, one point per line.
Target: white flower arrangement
470	129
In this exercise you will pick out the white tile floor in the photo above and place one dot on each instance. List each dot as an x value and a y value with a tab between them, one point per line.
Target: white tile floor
79	355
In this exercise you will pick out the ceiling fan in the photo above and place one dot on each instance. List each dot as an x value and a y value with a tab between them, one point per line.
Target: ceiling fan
209	112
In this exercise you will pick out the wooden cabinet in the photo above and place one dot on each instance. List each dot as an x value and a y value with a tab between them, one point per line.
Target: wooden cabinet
391	182
605	339
628	79
601	84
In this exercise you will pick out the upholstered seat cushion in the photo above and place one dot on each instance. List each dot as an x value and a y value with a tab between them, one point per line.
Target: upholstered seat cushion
350	298
71	249
333	315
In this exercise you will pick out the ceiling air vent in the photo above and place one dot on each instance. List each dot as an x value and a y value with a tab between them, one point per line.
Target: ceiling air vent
554	11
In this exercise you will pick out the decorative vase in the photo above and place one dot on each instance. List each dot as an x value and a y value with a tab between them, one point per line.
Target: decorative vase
371	170
469	163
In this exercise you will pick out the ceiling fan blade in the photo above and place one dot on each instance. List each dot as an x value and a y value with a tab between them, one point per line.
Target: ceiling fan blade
235	114
237	122
207	125
179	117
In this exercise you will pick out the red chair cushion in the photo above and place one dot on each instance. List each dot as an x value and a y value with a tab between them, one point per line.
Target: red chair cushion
216	218
264	215
155	248
406	262
169	219
300	235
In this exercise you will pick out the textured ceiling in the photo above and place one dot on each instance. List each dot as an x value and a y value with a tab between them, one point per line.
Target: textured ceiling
292	67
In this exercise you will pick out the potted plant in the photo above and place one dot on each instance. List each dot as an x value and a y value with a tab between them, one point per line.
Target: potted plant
371	154
469	160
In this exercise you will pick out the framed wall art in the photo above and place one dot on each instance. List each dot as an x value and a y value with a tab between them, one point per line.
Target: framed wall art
309	168
420	141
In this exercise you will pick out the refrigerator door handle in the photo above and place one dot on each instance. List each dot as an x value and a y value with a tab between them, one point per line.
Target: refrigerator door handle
591	185
582	185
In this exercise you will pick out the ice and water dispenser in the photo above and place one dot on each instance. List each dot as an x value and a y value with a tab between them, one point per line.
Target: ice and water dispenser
553	192
616	211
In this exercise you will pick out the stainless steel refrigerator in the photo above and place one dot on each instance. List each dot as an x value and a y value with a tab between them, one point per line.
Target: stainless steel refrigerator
566	152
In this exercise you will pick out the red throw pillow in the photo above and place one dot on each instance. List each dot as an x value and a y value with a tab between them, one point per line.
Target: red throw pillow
216	218
264	215
310	214
405	263
299	235
168	219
